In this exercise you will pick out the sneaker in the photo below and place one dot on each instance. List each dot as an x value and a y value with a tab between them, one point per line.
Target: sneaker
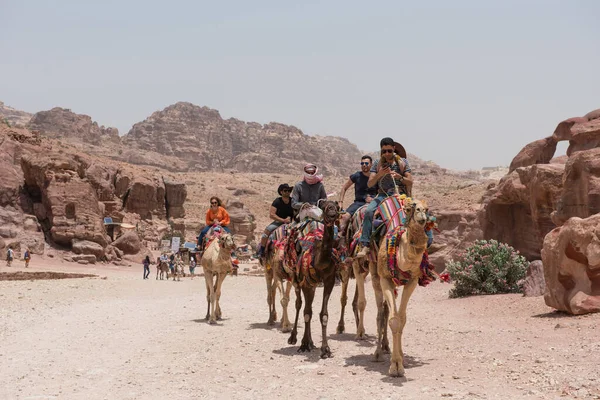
364	250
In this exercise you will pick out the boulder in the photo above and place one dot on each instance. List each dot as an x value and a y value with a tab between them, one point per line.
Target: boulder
88	258
571	258
538	152
88	247
534	283
128	243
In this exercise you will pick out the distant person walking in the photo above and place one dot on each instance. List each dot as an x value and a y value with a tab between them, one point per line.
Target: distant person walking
146	267
10	254
27	258
192	266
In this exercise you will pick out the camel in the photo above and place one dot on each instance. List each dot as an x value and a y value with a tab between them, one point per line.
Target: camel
309	271
162	269
359	270
275	275
216	262
409	254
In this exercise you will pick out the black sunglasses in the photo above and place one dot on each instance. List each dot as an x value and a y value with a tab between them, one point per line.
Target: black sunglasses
213	203
383	151
286	190
364	163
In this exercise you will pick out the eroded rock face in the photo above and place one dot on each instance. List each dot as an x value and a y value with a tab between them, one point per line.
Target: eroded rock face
458	230
198	138
580	196
538	152
61	122
518	210
243	222
146	197
571	257
176	193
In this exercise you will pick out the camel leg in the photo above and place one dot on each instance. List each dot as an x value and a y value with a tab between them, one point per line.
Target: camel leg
270	295
293	336
343	300
362	300
324	315
218	285
285	299
379	302
309	295
396	321
208	276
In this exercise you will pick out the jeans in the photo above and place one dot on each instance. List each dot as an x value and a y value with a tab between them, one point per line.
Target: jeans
146	271
368	219
354	207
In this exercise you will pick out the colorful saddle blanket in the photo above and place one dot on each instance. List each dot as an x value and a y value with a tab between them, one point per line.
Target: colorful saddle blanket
392	212
400	277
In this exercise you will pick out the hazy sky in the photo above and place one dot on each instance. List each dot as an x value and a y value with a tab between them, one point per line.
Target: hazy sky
463	83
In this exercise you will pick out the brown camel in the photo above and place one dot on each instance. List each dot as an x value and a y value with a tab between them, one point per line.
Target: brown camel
275	275
411	246
216	261
309	271
354	268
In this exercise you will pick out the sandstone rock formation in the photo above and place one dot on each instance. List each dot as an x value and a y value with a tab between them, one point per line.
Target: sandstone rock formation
60	197
205	141
63	123
15	118
458	230
571	257
534	283
538	152
243	222
518	210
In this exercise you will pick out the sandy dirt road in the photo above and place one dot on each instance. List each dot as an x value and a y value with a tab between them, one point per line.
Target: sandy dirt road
125	338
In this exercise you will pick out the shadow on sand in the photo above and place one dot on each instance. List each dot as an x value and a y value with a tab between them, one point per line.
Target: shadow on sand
292	351
205	321
367	362
369	340
553	315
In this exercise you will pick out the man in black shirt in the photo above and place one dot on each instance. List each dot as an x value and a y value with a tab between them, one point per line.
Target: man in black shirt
281	212
363	194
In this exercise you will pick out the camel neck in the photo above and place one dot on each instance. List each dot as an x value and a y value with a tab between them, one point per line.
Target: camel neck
326	245
417	238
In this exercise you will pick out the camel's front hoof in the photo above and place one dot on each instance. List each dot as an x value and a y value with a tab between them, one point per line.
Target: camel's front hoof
285	328
292	339
340	329
396	369
378	355
271	322
326	352
305	347
361	335
212	321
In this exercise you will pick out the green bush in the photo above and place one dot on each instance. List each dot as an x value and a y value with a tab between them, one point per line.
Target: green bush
487	267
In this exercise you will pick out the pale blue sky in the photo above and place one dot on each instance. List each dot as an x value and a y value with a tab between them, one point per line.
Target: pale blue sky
463	83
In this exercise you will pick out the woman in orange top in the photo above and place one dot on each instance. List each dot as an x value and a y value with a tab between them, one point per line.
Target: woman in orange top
215	216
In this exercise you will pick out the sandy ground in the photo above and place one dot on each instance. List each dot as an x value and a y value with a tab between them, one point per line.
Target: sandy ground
117	336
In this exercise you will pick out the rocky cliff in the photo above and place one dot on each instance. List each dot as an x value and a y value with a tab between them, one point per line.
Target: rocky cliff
203	141
14	117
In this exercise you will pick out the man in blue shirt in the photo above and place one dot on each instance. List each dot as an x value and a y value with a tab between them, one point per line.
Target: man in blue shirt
390	174
363	194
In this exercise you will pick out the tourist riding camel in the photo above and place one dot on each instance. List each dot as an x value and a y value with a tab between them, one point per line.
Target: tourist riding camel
215	216
363	194
391	174
309	190
281	212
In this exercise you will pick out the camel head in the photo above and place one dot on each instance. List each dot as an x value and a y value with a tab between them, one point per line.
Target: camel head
331	211
226	241
418	212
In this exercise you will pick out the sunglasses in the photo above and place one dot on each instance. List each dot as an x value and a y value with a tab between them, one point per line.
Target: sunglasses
387	151
214	203
364	163
286	191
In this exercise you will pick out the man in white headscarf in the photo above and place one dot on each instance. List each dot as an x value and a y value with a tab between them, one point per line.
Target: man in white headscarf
310	190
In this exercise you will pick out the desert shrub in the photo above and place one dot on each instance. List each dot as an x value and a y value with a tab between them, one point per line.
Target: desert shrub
487	267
